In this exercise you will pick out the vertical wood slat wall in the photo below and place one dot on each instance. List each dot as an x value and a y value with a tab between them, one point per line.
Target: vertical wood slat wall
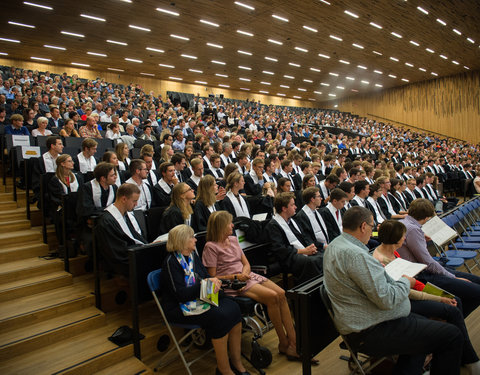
448	105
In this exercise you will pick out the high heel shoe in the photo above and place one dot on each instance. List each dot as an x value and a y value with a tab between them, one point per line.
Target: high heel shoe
237	372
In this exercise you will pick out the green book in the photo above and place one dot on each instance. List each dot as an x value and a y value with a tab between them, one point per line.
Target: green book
436	291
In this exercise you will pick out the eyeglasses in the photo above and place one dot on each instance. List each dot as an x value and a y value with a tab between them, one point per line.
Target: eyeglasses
370	225
186	191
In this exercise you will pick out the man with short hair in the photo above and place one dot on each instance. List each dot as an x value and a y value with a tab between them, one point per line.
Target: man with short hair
331	213
85	161
139	172
56	120
225	155
286	171
152	178
178	160
179	143
90	129
309	219
328	185
129	138
216	170
194	180
254	180
373	310
242	163
163	189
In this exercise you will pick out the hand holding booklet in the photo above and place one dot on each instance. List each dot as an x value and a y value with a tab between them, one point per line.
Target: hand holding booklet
399	267
207	292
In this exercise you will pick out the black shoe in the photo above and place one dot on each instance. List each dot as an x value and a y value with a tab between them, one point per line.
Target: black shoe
237	372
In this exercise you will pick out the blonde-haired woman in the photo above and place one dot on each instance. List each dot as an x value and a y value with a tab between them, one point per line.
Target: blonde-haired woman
42	130
123	152
234	201
180	209
181	277
223	258
209	199
166	154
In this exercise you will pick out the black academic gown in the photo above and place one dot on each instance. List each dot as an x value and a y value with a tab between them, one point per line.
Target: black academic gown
228	206
251	187
332	226
85	204
201	214
170	219
306	228
161	197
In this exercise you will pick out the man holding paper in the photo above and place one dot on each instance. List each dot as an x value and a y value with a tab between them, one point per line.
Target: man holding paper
463	285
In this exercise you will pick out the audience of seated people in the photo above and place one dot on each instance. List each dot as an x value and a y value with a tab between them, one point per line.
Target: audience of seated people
250	159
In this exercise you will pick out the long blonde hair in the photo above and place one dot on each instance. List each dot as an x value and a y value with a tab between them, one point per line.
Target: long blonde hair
177	200
59	171
204	191
217	225
164	154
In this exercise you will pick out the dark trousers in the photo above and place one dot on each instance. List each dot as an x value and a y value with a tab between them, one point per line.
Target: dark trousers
468	292
412	338
451	314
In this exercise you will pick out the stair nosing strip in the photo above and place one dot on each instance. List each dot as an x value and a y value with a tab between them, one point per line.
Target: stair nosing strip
6	290
43	308
87	360
50	330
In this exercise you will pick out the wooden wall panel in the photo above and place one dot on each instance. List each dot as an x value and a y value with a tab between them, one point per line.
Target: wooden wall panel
156	85
448	105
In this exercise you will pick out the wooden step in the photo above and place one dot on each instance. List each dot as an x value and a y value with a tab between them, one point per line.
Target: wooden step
33	285
42	306
28	338
16	214
14	225
20	237
85	353
129	366
8	206
25	268
6	197
19	252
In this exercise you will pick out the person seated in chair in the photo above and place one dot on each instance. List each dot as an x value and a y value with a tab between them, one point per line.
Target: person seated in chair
224	259
331	213
181	277
194	180
209	199
309	219
234	202
163	189
117	229
295	251
180	210
139	172
85	161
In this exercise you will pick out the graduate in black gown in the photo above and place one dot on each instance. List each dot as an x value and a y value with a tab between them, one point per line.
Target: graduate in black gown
180	209
209	200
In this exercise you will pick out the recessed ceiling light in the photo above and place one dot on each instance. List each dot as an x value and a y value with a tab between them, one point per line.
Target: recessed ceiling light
195	71
245	79
466	67
221	75
396	34
244	33
351	14
341	87
116	70
301	89
310	29
21	24
40	58
80	64
280	18
354	90
312	99
333	95
414	43
315	70
376	25
116	42
470	40
265	83
422	69
167	66
289	77
333	74
434	74
429	50
275	41
344	62
285	86
405	80
324	56
424	11
324	84
378	71
176	78
271	59
188	56
54	47
209	23
221	85
378	85
244	5
307	80
244	52
155	49
301	49
377	53
168	12
244	88
444	57
318	92
201	82
325	2
456	31
37	5
263	92
219	62
267	72
244	67
214	45
392	76
96	54
365	82
409	64
441	22
139	28
297	97
455	62
336	38
362	67
279	94
294	64
148	74
93	17
179	37
357	45
72	34
394	59
350	78
133	60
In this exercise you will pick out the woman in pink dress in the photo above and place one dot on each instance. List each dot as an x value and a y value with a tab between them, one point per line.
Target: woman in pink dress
224	259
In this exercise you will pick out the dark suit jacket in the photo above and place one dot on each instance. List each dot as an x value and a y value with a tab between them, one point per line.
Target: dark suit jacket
384	207
332	226
251	188
305	225
51	123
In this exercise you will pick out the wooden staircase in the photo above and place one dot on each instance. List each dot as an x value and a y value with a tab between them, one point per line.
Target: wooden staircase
48	320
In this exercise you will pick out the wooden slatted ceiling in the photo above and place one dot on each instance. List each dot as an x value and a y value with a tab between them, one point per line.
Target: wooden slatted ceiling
401	17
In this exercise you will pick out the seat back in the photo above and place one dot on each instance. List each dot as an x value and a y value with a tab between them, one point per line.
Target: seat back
153	280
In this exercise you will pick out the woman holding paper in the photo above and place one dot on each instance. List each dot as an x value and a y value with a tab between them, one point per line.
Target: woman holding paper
391	234
182	275
223	258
